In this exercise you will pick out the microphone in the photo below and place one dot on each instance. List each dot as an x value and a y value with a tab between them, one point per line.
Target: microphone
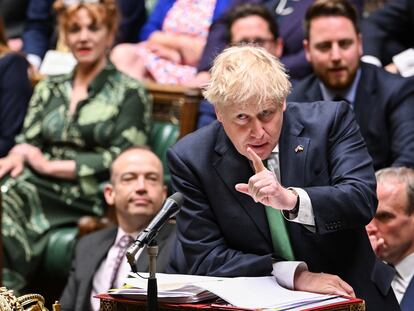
169	209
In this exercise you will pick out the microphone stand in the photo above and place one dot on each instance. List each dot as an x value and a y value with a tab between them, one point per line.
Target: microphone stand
152	289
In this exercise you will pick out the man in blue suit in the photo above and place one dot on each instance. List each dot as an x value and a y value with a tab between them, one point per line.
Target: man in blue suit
387	32
391	232
383	103
304	215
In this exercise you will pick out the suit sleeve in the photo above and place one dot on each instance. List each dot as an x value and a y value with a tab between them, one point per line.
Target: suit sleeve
348	199
15	92
71	290
133	18
39	27
387	28
200	246
401	118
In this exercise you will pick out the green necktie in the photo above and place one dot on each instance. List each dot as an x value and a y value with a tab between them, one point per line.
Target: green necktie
280	236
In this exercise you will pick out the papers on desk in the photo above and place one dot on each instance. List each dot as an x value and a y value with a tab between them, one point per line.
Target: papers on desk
242	292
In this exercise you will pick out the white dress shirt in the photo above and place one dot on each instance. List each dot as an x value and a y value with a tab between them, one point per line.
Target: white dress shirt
102	278
405	272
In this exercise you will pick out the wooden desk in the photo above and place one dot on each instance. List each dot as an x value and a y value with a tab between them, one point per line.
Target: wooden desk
109	303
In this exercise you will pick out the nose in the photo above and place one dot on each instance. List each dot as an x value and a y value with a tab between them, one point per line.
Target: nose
256	129
84	34
335	52
372	227
140	184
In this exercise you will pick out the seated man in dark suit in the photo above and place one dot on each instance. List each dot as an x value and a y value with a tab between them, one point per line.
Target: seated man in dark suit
392	230
383	103
388	32
304	215
137	192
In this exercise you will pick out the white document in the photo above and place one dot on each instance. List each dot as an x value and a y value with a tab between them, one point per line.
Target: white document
242	292
57	62
405	62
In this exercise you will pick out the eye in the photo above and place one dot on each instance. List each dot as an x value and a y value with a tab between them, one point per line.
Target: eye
241	116
153	178
345	44
384	216
266	115
127	178
94	27
74	28
323	46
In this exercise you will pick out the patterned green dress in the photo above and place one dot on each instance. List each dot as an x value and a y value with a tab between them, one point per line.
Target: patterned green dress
116	115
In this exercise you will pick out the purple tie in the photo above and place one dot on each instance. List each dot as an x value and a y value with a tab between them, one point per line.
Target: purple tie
122	245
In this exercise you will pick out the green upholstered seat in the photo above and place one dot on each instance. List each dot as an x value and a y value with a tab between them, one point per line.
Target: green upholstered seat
61	244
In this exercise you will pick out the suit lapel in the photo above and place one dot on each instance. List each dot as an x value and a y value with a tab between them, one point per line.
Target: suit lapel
93	259
407	302
313	91
292	153
233	168
365	95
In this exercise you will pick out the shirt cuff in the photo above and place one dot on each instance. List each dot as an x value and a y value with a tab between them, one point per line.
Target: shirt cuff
305	215
284	272
404	62
371	60
34	60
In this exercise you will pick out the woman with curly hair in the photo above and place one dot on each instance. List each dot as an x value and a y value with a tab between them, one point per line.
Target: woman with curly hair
75	125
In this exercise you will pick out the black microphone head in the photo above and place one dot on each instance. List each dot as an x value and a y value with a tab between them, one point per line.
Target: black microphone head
178	198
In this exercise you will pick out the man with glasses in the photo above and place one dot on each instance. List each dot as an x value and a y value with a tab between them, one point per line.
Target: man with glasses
247	24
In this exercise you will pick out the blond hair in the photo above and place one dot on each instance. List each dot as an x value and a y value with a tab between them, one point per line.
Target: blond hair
246	74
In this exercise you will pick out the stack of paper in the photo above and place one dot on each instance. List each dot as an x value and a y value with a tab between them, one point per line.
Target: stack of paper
242	292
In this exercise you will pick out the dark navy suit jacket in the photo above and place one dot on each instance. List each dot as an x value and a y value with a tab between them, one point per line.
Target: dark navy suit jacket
389	30
223	232
15	93
384	110
91	251
407	302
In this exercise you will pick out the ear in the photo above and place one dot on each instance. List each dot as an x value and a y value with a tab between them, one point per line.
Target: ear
284	105
164	193
360	48
306	47
279	47
218	113
109	194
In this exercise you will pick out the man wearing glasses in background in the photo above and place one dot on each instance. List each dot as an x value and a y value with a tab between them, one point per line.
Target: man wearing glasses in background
247	24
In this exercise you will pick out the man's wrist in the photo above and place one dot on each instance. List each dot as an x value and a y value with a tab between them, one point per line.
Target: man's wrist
295	210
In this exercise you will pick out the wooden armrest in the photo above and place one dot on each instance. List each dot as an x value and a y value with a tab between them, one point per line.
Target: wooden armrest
89	224
176	104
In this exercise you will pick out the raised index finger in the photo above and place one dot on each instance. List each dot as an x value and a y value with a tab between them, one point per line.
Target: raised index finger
257	162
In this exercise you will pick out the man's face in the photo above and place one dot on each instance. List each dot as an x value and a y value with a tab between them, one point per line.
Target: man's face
334	49
392	223
254	29
137	188
252	125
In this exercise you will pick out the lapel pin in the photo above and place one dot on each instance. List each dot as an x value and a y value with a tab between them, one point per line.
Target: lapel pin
299	148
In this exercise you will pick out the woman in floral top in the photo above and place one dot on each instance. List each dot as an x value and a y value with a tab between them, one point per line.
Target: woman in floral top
76	124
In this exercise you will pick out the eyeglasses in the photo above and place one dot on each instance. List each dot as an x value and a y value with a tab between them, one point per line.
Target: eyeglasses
73	2
253	41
